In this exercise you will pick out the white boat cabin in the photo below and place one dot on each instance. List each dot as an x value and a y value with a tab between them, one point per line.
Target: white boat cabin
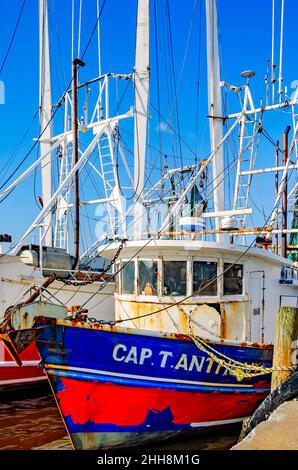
217	290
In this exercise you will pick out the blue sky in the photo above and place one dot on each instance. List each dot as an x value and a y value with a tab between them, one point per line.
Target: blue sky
245	43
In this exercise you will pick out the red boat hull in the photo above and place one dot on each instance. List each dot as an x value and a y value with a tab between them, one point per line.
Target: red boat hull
13	376
86	402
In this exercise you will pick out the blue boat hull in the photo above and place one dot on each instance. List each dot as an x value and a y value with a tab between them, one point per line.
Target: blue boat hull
121	387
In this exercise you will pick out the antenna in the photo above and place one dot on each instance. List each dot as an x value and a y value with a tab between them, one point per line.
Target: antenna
248	74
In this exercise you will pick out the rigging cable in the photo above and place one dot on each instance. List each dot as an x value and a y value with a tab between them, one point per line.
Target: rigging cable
280	79
72	30
94	29
12	37
80	28
14	154
174	75
57	106
272	52
157	76
198	80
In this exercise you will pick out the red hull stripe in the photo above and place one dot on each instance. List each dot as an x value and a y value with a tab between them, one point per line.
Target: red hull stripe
15	374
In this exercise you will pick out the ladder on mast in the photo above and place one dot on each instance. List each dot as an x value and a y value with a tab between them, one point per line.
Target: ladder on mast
246	158
109	174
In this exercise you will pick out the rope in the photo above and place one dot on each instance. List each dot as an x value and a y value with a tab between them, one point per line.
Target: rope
239	369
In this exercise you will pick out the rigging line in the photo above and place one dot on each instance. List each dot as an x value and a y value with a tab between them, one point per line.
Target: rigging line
183	66
179	302
12	37
98	41
34	181
187	297
72	30
25	179
272	51
280	79
149	175
52	4
129	226
57	106
83	229
157	72
174	74
198	81
226	171
30	150
168	83
171	129
152	147
129	81
80	28
13	155
94	29
266	133
168	192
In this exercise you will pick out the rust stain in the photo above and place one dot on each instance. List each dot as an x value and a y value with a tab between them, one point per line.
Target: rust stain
25	324
233	320
222	321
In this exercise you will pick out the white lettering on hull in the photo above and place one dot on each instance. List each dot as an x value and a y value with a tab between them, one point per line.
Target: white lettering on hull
188	363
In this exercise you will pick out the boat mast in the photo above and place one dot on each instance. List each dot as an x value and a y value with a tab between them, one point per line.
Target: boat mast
141	85
215	109
45	102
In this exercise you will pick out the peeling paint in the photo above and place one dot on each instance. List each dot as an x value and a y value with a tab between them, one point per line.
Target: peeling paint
206	322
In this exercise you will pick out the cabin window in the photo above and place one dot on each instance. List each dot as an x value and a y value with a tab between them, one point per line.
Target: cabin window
148	277
204	278
175	277
233	279
128	277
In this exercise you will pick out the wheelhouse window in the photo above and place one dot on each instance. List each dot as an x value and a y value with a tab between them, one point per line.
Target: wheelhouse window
175	277
204	278
148	277
233	279
128	277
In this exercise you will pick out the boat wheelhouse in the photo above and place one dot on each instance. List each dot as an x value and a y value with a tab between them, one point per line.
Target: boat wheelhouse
222	291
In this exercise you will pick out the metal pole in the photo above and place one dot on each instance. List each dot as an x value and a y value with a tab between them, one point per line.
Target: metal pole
45	114
285	192
49	280
75	157
276	193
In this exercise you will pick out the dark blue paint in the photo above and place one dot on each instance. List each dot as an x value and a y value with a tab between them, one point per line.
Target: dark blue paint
93	349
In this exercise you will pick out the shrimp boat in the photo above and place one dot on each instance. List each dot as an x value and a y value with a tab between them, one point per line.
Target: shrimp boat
196	287
26	263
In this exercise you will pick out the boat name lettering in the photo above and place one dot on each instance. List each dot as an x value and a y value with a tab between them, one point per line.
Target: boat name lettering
163	359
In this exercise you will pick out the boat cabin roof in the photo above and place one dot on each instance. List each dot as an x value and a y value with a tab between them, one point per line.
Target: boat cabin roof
153	247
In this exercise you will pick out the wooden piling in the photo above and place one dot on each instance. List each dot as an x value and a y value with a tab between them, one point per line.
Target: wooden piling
286	333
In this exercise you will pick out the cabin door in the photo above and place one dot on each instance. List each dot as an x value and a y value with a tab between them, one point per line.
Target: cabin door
256	305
